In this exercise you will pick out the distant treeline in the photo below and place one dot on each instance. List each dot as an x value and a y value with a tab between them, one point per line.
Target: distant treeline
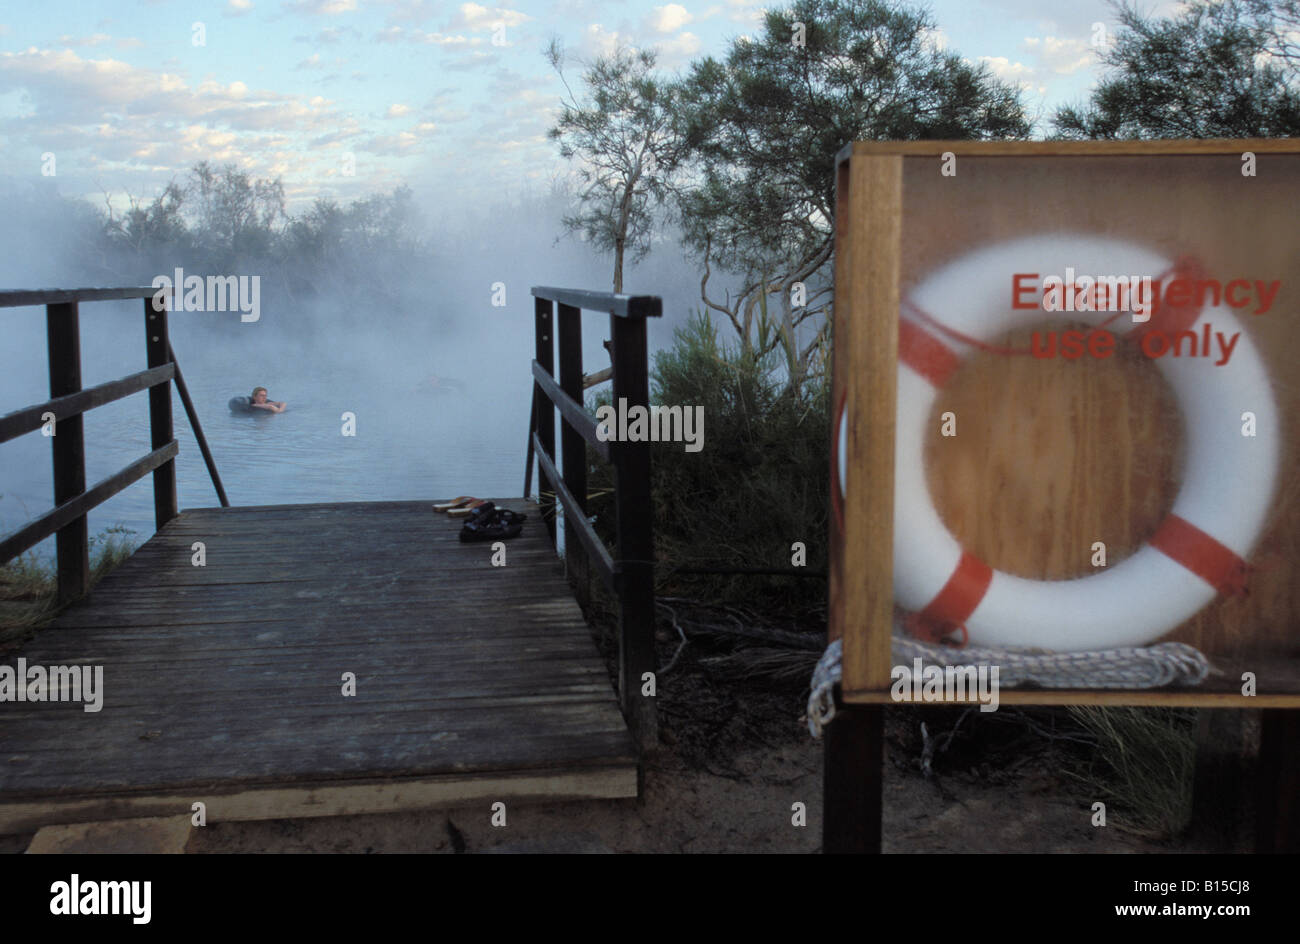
222	221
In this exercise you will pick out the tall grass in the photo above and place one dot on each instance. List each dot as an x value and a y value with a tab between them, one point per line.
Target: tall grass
29	585
1142	764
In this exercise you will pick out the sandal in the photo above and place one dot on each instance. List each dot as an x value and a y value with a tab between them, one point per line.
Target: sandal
497	525
454	503
475	505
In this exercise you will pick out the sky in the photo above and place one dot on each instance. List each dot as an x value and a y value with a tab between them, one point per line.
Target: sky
345	98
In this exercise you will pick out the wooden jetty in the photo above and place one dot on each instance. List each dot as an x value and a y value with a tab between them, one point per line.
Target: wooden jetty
330	659
225	683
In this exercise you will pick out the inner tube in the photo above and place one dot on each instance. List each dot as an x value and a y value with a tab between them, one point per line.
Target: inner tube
244	405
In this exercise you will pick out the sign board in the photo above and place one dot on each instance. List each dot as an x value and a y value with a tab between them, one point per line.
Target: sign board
1067	408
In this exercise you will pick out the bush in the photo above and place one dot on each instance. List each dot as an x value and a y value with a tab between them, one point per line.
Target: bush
759	484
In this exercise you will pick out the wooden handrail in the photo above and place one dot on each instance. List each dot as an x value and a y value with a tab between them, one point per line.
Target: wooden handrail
630	571
580	526
620	306
30	418
16	298
37	530
573	412
68	403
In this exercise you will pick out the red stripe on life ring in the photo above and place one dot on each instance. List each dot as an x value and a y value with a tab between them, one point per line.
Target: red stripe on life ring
954	604
925	354
837	503
1186	544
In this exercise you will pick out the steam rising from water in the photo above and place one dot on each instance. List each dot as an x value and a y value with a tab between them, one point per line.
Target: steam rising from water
436	375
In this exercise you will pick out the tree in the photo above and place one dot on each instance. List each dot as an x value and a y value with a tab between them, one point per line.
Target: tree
624	134
236	215
766	123
148	226
1215	70
1280	21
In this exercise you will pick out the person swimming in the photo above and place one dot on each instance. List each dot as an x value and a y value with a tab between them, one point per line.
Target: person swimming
258	401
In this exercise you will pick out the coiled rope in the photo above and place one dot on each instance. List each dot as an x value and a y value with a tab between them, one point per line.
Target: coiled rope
1166	663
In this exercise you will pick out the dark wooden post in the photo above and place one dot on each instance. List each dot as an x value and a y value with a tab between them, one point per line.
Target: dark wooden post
573	447
855	744
72	542
1220	779
158	352
1278	782
636	651
545	417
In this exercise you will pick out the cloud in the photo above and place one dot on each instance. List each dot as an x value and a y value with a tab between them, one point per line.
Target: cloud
97	40
391	145
936	40
473	59
321	7
1005	69
238	7
112	109
471	16
1062	56
399	34
1014	73
670	18
330	34
746	11
598	41
397	111
411	11
678	50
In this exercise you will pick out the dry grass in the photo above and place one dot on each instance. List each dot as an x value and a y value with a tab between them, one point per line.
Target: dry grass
1142	766
29	585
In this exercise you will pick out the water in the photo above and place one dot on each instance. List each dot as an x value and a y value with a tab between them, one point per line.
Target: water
415	439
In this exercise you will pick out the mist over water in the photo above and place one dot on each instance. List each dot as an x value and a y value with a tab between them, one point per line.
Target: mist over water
437	377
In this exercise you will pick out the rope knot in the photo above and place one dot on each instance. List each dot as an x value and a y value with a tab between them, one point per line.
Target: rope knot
935	631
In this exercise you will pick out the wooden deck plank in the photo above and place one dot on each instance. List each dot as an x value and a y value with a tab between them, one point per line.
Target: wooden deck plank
331	799
228	677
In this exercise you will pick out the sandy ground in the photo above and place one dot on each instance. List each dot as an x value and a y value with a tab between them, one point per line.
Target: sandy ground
734	760
744	809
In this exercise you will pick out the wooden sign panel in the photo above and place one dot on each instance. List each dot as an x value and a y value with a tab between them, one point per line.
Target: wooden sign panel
1068	407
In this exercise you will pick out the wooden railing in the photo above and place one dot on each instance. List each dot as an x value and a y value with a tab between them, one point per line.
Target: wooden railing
629	573
68	401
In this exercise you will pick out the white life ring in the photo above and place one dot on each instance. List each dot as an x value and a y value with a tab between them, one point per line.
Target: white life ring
1214	523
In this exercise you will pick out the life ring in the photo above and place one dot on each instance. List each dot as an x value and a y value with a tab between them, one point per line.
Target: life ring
1196	553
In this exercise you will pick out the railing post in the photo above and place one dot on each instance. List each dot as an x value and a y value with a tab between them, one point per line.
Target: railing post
72	543
573	447
1278	782
851	791
158	352
636	618
545	416
197	428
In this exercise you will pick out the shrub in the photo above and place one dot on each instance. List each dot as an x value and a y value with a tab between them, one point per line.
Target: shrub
760	482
